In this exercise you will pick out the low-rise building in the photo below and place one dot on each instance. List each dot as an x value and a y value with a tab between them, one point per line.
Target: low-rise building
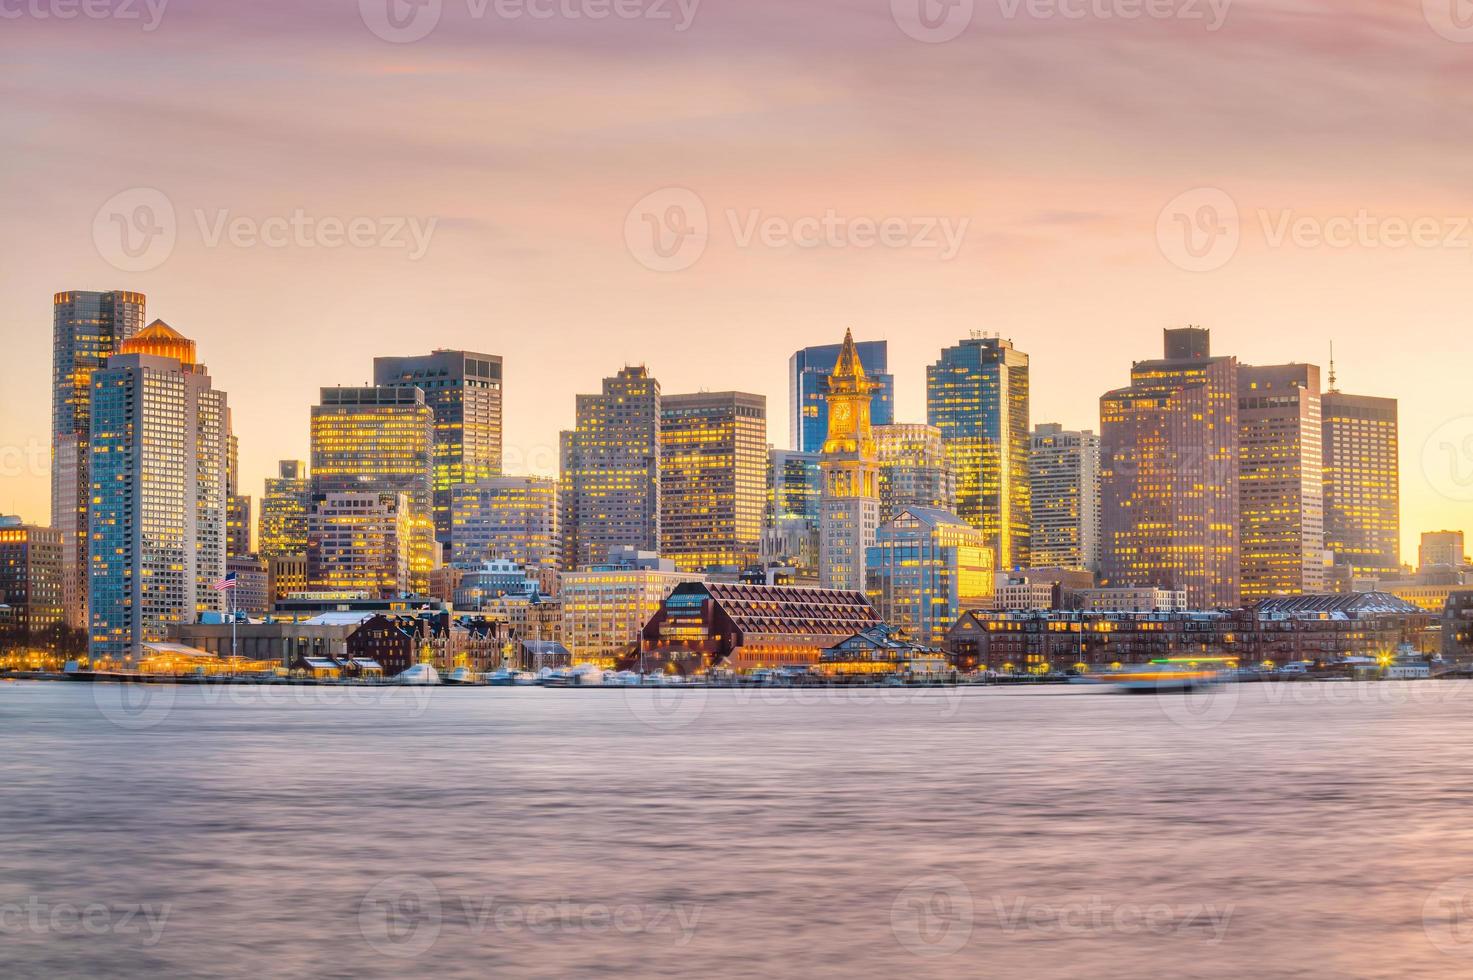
31	570
605	608
1127	599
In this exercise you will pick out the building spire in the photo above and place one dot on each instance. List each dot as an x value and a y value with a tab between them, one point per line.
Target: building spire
1334	385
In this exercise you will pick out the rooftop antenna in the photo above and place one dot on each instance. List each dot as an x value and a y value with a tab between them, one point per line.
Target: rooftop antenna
1334	387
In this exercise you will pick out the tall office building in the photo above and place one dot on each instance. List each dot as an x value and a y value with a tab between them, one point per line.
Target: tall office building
1064	470
1362	483
1441	548
914	469
380	440
87	329
977	395
363	542
794	511
157	524
1281	501
31	571
925	569
713	479
808	374
508	517
850	505
463	389
237	505
1169	474
611	470
283	525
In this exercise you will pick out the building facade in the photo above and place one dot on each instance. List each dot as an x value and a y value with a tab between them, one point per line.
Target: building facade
1169	474
611	470
1362	445
284	505
850	504
375	441
363	543
808	378
1064	474
794	511
604	609
464	391
32	569
914	469
159	446
510	517
1441	548
977	394
713	479
926	567
87	329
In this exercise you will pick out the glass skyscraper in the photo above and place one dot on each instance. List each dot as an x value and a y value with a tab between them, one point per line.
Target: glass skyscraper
808	375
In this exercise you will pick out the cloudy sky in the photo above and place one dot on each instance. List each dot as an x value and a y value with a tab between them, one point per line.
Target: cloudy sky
703	187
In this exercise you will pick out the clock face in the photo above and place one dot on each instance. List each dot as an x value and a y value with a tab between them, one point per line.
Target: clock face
843	413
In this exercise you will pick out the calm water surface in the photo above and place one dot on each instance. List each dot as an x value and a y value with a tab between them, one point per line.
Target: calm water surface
1313	831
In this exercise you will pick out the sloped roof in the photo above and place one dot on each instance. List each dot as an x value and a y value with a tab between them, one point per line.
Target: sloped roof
1348	604
784	610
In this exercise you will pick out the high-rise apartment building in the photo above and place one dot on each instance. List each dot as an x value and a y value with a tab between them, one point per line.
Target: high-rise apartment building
464	390
794	511
1064	470
364	542
380	440
850	505
284	505
1441	548
1169	474
977	394
508	517
31	571
159	444
87	329
808	375
1281	509
713	479
1361	445
611	470
925	569
914	469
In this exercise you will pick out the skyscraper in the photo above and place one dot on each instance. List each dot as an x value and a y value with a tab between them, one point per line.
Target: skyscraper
713	479
808	373
87	329
284	505
510	517
926	568
363	542
380	440
794	511
850	514
611	470
237	504
914	469
1281	510
157	522
1064	470
977	394
1169	474
1361	445
463	389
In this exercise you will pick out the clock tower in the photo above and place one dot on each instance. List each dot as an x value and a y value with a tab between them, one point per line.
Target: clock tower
851	475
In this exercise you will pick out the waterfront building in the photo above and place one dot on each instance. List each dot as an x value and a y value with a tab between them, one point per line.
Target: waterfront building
850	504
32	569
914	469
511	517
399	642
281	641
87	329
159	444
1169	474
371	441
532	618
1281	502
1064	479
808	377
486	581
363	543
1457	627
1128	599
794	511
1361	445
464	391
1441	549
604	608
611	470
713	479
977	394
742	628
926	567
283	524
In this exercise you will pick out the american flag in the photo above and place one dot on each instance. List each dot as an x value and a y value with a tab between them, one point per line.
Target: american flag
225	584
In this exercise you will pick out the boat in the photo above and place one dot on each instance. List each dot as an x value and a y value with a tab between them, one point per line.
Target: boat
1168	675
462	675
420	675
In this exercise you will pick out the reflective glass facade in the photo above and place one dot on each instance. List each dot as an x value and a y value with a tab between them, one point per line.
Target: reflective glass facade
808	374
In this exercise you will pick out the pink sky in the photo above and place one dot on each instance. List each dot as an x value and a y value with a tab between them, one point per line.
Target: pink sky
1059	141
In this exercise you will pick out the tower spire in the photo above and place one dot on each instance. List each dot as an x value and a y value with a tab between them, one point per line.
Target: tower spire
1334	385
